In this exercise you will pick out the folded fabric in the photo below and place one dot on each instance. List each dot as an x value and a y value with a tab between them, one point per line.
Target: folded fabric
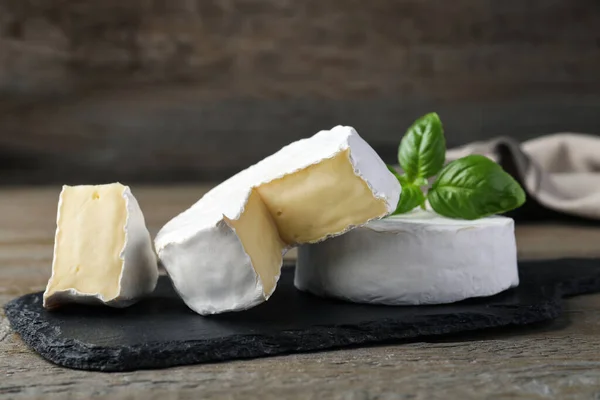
559	172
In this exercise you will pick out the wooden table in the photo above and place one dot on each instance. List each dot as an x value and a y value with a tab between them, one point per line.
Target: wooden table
560	359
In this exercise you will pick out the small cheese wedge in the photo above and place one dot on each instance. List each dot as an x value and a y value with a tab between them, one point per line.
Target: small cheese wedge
102	251
415	258
225	252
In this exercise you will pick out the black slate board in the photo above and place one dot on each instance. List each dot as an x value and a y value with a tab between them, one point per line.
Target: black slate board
162	332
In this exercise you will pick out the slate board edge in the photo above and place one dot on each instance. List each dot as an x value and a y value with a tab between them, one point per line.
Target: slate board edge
138	357
578	286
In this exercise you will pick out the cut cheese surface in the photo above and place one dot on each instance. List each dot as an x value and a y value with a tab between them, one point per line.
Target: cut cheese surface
258	234
102	252
415	258
306	209
95	211
225	252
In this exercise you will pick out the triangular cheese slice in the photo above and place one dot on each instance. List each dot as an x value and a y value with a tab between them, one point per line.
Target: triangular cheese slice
225	252
102	252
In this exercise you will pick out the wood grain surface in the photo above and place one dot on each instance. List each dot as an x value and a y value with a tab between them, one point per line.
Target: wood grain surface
164	90
553	360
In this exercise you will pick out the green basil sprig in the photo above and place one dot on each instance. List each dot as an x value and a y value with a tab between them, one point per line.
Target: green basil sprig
471	187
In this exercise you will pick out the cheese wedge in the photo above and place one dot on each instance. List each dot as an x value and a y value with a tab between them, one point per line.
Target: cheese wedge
415	258
102	250
225	252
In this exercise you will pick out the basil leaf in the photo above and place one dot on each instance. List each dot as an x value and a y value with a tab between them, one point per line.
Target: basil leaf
411	196
474	187
422	151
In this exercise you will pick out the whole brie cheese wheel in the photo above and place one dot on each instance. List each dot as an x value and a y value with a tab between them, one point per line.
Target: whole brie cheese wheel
415	258
102	250
225	252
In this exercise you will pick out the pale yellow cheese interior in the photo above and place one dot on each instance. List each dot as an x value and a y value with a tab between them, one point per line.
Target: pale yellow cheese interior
89	240
320	200
258	233
303	207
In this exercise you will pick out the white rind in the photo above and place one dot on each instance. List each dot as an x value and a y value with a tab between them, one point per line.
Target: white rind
204	283
203	256
139	275
368	165
140	265
418	258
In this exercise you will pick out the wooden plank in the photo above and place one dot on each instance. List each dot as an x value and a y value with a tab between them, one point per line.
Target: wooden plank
177	135
185	90
332	48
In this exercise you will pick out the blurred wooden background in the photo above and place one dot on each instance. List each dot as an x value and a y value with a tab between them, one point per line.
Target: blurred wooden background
179	90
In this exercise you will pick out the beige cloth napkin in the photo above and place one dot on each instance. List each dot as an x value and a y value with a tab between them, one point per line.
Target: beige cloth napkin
560	171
